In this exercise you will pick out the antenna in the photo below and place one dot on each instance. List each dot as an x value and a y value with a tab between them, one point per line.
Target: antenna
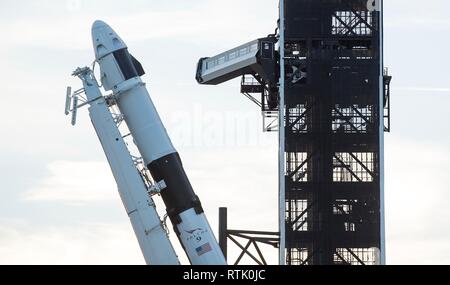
74	110
68	99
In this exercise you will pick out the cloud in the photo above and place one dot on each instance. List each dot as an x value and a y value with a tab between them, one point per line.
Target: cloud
422	89
75	182
403	14
72	30
416	202
420	252
23	243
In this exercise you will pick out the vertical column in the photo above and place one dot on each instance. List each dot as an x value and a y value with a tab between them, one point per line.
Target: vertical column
381	126
223	227
281	153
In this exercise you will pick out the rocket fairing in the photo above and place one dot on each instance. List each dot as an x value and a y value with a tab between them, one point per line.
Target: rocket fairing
120	73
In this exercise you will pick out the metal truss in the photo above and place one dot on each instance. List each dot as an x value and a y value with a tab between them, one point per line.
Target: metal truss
250	238
297	166
360	166
355	256
253	84
353	119
299	256
296	118
297	214
352	23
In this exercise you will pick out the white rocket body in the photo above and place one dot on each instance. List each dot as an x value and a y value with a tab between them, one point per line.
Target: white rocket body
120	72
152	237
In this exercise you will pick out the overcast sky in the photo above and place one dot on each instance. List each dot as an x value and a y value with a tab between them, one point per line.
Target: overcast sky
59	203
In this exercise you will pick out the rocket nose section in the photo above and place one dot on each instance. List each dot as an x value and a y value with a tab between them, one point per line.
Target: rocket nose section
98	24
105	39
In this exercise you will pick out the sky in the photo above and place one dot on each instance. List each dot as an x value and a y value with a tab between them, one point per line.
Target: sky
59	203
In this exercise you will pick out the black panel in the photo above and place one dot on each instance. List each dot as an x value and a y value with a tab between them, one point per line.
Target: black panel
125	62
267	50
137	66
179	195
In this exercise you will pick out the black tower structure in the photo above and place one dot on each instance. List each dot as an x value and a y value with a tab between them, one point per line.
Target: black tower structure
325	62
335	93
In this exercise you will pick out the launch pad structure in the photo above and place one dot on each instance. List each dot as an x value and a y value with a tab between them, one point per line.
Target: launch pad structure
326	91
334	133
319	81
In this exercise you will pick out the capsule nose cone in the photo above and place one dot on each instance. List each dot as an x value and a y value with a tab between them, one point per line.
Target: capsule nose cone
105	40
98	25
